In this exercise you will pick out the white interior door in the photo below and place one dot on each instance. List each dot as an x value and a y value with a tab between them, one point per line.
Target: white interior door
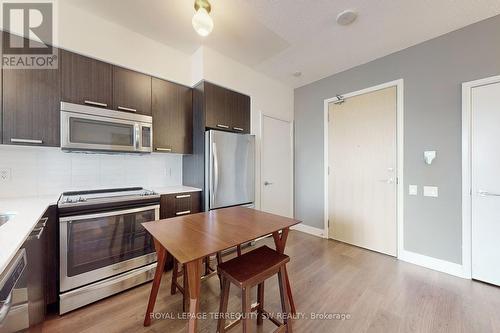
486	183
362	176
276	167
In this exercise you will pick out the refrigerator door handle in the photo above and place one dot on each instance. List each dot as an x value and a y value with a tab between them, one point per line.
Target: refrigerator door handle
215	184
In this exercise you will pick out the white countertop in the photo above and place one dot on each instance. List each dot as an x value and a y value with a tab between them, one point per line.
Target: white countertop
30	209
13	233
175	189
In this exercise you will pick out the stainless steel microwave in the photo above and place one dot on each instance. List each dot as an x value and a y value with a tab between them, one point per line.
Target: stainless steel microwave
90	128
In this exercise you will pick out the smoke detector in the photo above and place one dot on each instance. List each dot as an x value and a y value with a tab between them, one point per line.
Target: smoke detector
347	17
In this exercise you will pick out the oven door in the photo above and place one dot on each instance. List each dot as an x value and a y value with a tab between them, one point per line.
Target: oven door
97	246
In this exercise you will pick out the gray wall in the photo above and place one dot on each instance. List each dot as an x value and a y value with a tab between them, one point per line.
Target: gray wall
433	72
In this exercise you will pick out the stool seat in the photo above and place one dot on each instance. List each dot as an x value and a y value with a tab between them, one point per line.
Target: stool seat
249	270
254	266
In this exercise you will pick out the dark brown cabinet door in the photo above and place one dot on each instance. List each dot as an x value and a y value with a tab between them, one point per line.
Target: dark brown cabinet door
178	204
31	104
172	117
131	91
240	112
217	113
226	109
85	80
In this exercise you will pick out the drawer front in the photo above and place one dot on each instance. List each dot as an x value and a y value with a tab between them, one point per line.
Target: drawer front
179	204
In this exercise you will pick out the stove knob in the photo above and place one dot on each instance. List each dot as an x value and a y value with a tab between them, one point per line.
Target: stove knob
81	199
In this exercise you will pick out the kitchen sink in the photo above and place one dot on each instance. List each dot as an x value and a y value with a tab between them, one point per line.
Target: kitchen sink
6	217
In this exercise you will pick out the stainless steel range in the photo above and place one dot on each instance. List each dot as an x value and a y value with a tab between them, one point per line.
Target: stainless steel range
103	247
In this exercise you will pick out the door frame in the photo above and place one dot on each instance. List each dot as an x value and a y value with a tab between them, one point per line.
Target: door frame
467	170
399	84
292	166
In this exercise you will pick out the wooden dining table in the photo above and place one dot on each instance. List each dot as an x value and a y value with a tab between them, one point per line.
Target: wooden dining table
191	238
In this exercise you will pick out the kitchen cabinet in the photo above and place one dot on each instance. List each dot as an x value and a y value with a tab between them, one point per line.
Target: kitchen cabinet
225	109
85	80
31	104
240	115
178	204
172	117
131	91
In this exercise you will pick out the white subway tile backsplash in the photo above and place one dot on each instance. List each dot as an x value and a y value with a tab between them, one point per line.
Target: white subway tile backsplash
42	171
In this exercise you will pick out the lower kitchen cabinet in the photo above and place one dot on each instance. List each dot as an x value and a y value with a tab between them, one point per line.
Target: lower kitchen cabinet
178	204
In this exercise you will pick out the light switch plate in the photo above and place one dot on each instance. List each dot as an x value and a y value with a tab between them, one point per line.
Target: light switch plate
413	189
431	191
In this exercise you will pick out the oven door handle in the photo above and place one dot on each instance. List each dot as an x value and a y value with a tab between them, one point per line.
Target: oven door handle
108	214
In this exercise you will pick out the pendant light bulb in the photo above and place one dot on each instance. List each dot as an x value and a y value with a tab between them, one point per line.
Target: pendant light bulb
202	22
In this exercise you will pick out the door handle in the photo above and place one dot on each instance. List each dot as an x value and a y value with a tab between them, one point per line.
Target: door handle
122	108
216	172
95	103
266	183
387	181
488	194
37	142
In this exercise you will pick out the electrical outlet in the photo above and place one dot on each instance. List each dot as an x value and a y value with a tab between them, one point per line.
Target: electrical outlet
5	174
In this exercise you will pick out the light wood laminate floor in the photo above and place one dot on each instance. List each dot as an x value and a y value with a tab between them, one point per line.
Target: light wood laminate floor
378	292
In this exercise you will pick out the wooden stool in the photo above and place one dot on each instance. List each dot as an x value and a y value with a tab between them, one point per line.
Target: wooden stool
247	271
176	274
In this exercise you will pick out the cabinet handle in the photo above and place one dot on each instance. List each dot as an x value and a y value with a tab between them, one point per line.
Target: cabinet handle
183	196
163	149
183	212
95	103
122	108
238	129
222	126
26	141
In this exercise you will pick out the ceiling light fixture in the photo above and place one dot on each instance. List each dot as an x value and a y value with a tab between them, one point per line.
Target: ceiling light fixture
347	17
202	22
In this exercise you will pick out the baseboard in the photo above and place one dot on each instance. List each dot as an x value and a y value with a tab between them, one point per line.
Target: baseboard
433	263
309	230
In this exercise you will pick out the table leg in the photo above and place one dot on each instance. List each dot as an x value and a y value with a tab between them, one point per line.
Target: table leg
280	243
161	255
194	275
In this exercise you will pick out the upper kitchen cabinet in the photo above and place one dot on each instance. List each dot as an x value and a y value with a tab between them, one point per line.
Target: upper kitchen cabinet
131	91
239	104
225	109
172	117
31	104
216	107
86	80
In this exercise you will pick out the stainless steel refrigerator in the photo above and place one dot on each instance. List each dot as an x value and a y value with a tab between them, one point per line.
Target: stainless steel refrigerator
229	169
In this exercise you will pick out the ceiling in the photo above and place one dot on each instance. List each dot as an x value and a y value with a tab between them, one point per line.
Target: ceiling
281	37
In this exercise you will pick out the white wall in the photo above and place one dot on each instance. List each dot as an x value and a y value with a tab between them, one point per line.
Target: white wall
37	171
267	95
82	32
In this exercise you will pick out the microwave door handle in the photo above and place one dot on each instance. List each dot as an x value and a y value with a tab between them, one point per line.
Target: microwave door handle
136	136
